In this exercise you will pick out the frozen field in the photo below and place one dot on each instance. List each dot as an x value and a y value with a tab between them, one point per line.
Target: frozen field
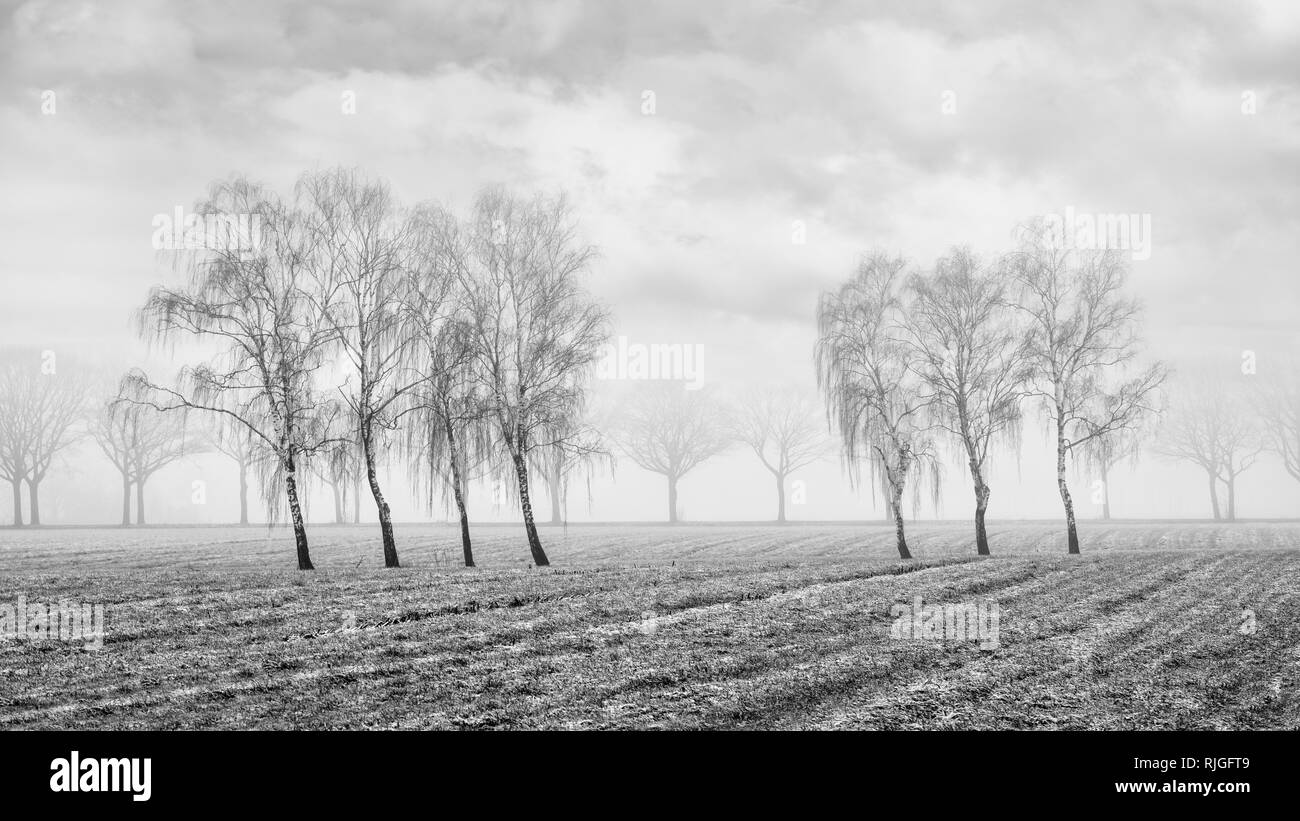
1156	625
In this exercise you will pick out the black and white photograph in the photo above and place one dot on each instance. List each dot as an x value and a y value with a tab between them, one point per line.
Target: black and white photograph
696	367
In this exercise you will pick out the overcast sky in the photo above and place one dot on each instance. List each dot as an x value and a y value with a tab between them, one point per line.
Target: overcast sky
903	126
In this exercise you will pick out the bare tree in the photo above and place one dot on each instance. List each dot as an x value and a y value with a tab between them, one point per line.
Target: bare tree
973	361
448	435
339	468
42	405
237	442
1082	333
365	246
113	430
1277	403
874	400
339	464
535	334
255	305
782	429
449	441
160	439
1103	455
18	370
140	441
671	430
1209	424
575	449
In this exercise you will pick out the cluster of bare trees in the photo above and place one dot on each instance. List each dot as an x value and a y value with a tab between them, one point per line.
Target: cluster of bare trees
910	362
140	441
41	415
1223	426
668	429
358	326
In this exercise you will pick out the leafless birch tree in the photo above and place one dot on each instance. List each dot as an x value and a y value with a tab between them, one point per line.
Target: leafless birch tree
971	357
255	306
1083	340
364	246
867	375
535	334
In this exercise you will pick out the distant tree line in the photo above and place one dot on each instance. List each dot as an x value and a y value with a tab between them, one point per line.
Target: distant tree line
359	332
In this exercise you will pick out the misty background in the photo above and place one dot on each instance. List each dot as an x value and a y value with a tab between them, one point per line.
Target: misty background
731	162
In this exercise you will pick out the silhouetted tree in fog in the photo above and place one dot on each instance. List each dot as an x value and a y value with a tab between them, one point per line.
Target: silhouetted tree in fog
782	429
1102	455
339	465
247	451
140	441
42	407
671	430
1209	423
576	451
17	369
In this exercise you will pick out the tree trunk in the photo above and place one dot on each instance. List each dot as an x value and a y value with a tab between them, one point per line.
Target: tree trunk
780	499
458	491
338	502
34	509
897	482
896	506
1214	497
295	513
1105	495
1071	528
139	501
521	472
672	500
464	525
381	504
553	488
17	485
1232	498
356	501
126	499
243	494
982	494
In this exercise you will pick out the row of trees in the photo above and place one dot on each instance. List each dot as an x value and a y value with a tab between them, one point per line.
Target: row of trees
908	361
359	332
356	318
1217	424
47	408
